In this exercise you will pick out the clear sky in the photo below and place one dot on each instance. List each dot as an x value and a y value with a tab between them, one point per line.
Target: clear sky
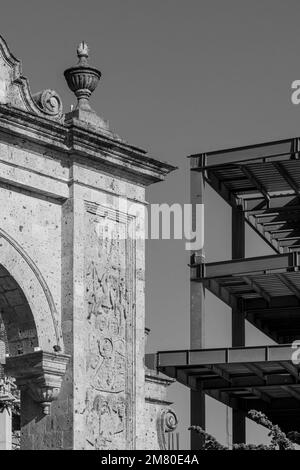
179	77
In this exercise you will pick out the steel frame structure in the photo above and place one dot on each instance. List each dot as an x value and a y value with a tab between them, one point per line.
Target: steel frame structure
261	183
260	377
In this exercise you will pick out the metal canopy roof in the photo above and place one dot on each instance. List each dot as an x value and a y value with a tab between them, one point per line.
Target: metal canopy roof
261	377
265	289
246	177
284	148
265	180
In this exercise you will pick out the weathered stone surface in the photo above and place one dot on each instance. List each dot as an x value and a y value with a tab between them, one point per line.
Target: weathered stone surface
110	312
71	272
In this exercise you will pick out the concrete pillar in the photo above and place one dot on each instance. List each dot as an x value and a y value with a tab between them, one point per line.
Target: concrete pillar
238	318
197	417
197	317
238	427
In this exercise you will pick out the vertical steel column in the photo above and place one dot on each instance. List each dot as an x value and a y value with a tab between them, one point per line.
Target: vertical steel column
238	318
197	309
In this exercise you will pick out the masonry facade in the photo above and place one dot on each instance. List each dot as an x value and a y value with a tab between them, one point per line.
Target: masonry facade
72	266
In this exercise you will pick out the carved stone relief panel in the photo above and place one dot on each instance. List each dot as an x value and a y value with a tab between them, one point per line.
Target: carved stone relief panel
110	303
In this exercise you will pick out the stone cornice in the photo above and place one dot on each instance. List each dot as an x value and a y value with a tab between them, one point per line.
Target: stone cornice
32	128
86	145
153	377
157	401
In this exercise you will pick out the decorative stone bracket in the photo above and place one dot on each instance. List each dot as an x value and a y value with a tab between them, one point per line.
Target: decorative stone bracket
40	373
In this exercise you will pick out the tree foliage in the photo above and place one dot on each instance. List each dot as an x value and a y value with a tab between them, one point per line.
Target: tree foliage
279	440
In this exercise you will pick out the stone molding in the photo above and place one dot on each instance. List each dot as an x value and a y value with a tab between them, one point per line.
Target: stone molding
80	143
39	119
40	373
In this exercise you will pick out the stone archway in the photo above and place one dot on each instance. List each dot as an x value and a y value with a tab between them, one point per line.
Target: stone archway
28	310
15	312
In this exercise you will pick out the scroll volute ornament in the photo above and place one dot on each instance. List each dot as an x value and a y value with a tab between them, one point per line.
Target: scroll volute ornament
49	102
166	423
82	79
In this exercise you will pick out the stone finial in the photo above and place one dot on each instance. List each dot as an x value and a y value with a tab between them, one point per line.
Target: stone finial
83	53
82	79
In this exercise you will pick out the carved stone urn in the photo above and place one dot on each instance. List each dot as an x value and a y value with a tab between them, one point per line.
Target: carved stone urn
82	79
